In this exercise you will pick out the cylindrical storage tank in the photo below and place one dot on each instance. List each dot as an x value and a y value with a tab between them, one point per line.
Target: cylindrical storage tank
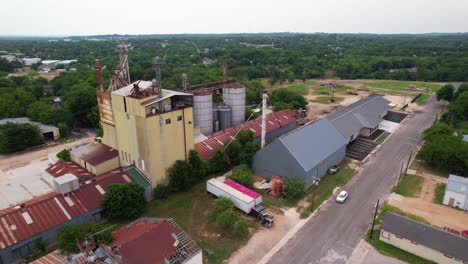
203	111
224	117
234	97
215	119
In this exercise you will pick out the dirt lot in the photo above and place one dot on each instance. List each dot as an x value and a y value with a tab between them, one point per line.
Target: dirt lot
436	214
264	239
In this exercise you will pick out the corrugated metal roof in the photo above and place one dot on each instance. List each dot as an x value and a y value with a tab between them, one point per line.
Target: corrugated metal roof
20	222
55	257
63	167
143	241
364	113
457	184
313	143
94	153
207	148
431	237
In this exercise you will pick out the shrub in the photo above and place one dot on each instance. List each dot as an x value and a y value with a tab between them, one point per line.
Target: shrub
242	175
198	167
445	93
233	151
63	129
68	236
294	188
124	201
222	204
241	228
247	153
179	176
220	162
245	136
64	155
161	192
226	219
16	137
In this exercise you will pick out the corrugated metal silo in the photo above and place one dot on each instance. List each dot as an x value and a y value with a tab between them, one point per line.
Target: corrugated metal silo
203	111
234	97
215	119
224	117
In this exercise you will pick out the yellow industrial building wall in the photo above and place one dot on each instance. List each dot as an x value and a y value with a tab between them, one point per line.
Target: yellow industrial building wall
109	137
105	166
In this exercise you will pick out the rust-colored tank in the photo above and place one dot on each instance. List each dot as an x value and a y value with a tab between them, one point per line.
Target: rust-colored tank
276	187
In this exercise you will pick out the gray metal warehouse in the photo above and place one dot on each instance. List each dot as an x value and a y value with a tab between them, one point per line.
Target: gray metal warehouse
305	153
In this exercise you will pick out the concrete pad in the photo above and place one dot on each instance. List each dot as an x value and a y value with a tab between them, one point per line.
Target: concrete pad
388	126
24	183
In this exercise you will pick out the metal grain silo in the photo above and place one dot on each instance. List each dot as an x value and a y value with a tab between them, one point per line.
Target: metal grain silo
203	111
234	97
215	119
224	117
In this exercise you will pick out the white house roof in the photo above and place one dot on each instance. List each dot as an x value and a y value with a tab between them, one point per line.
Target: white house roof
457	184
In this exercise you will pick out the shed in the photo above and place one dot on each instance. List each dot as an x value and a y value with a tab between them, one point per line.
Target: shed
305	153
456	192
95	157
48	131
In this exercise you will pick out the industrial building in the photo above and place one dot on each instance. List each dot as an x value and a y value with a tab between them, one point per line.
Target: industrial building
305	153
277	124
49	132
24	225
423	240
95	157
146	240
456	192
360	118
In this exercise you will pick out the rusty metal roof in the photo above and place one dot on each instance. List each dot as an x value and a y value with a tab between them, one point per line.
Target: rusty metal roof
207	148
63	167
55	257
95	153
22	221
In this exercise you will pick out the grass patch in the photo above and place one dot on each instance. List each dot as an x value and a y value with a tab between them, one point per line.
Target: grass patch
325	99
327	184
328	90
393	251
403	85
409	185
439	193
421	99
191	210
301	89
382	138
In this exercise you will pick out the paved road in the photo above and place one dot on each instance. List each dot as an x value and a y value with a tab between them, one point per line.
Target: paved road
333	233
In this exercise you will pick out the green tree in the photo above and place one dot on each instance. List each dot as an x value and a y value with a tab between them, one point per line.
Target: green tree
68	236
16	137
245	136
240	228
226	219
242	175
80	100
436	130
248	152
463	88
220	162
445	93
124	201
64	155
161	191
63	129
198	167
294	188
233	151
180	176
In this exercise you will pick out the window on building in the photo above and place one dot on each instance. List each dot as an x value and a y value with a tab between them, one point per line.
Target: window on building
179	118
168	121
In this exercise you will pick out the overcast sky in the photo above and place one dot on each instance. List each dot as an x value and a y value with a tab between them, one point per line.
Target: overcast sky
90	17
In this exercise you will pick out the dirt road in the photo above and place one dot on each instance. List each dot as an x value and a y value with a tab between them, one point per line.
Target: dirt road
13	161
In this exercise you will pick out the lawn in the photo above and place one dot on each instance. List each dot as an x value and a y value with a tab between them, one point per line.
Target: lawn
328	90
382	138
301	89
439	193
325	99
327	184
421	99
403	85
191	210
409	185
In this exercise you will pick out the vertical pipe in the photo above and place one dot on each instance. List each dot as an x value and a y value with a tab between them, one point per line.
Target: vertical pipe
264	108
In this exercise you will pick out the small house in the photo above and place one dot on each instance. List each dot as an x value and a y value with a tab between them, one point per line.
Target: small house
456	192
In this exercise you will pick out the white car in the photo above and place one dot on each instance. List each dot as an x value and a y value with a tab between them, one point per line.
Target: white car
342	197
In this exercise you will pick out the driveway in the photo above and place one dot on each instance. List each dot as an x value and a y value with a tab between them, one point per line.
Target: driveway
331	235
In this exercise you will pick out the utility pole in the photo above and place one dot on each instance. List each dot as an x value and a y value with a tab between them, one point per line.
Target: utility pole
264	109
401	172
373	219
408	163
315	183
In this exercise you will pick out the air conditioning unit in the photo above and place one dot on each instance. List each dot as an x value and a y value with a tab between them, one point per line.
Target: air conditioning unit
66	183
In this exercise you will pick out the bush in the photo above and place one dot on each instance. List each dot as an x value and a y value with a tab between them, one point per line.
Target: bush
64	155
68	236
233	151
63	129
222	204
247	153
445	93
198	167
437	129
294	188
220	162
161	192
226	219
16	137
242	175
124	201
180	176
245	136
241	228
